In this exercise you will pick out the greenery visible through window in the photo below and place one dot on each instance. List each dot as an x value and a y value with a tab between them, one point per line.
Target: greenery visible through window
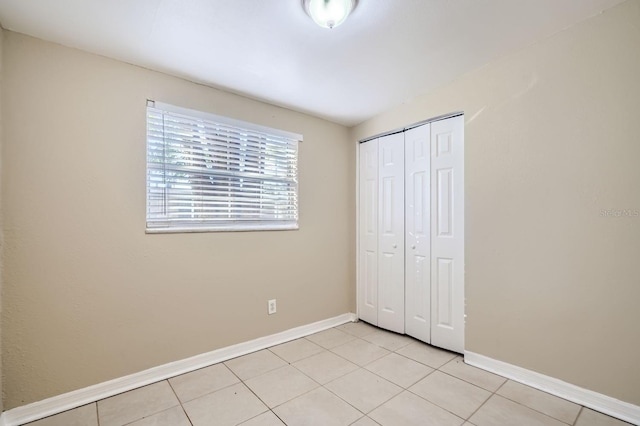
209	173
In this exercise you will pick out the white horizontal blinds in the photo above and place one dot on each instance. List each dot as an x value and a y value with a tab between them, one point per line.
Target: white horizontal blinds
203	173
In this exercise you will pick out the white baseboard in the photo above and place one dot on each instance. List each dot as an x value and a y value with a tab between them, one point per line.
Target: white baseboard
57	404
597	401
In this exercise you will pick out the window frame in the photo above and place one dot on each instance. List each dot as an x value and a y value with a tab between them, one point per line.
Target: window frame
155	226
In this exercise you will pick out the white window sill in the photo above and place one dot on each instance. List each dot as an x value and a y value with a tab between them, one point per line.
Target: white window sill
226	228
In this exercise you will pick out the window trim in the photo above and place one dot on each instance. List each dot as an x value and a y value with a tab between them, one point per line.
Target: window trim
240	226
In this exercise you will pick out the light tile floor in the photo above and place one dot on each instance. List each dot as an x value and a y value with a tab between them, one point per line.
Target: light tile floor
354	374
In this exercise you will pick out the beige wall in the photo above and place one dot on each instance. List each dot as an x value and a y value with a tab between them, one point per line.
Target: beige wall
1	210
88	295
551	140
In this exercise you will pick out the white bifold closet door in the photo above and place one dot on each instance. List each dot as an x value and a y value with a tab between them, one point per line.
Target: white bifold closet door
447	233
411	238
434	249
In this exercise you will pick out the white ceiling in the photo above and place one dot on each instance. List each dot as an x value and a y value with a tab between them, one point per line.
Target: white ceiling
386	53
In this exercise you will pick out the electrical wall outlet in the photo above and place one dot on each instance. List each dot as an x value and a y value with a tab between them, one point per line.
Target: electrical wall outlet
272	306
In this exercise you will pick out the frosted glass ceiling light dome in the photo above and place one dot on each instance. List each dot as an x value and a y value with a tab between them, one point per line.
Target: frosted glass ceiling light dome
329	13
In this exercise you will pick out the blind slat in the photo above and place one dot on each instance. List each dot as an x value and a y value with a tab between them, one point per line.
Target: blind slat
200	144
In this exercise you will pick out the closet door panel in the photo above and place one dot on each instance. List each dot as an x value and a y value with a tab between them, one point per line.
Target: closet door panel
368	233
417	233
391	232
447	240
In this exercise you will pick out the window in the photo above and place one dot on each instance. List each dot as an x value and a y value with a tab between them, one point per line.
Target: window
210	173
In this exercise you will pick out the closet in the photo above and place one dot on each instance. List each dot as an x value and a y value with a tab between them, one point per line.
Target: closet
411	232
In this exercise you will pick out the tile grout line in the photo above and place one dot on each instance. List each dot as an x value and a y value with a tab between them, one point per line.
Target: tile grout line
506	380
278	417
467	382
132	390
536	410
355	363
97	414
240	381
531	408
260	399
419	362
495	392
485	401
303	358
314	380
434	369
209	392
372	343
180	402
338	355
407	388
277	368
320	385
442	408
365	416
492	392
578	416
342	399
251	390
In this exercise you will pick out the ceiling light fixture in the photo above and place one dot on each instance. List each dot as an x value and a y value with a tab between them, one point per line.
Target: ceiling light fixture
329	13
